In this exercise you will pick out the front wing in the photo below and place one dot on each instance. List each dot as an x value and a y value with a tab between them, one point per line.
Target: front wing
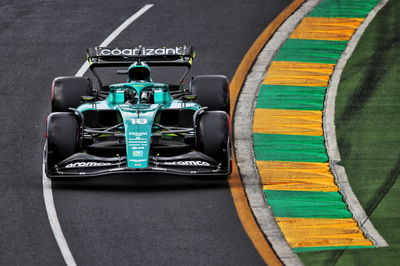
86	165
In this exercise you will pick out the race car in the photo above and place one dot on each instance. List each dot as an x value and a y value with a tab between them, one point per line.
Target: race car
138	125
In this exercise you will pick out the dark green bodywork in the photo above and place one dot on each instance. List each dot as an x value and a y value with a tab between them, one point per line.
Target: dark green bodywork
138	118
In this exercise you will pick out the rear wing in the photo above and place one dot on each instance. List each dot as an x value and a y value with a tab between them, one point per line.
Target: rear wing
178	55
152	56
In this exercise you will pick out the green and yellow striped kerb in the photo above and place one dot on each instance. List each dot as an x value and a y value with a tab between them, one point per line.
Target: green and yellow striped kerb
288	134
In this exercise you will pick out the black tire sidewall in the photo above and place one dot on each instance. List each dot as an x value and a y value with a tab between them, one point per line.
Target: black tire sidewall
63	136
213	133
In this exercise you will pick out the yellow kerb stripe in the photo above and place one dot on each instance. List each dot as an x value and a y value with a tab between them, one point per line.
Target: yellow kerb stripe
291	122
296	176
298	74
318	232
335	29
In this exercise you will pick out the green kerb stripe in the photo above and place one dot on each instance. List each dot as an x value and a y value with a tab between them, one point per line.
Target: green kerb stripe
307	204
295	148
311	51
291	97
344	8
305	249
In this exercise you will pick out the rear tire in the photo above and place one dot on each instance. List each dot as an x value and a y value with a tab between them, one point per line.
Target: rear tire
212	91
63	137
213	135
66	92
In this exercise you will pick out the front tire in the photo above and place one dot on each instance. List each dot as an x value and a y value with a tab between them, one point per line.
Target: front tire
213	135
63	137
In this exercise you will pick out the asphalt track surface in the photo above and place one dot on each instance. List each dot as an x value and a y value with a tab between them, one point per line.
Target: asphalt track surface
115	220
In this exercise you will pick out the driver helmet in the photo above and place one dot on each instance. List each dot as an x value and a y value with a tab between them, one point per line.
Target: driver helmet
139	72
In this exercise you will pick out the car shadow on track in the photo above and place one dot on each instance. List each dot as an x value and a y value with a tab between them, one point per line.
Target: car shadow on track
142	183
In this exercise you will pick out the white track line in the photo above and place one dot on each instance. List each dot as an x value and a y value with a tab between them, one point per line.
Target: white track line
53	219
114	34
47	188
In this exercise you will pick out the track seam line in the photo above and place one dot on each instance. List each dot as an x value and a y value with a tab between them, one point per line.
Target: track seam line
47	184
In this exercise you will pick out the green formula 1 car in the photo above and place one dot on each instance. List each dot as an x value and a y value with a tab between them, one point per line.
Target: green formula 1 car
138	126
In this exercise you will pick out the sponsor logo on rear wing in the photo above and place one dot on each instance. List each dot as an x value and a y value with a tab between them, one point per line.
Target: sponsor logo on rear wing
142	52
137	51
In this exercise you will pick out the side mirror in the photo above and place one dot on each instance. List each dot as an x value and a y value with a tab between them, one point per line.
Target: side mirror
189	97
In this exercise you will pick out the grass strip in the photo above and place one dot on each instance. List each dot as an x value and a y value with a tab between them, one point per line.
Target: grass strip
368	125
